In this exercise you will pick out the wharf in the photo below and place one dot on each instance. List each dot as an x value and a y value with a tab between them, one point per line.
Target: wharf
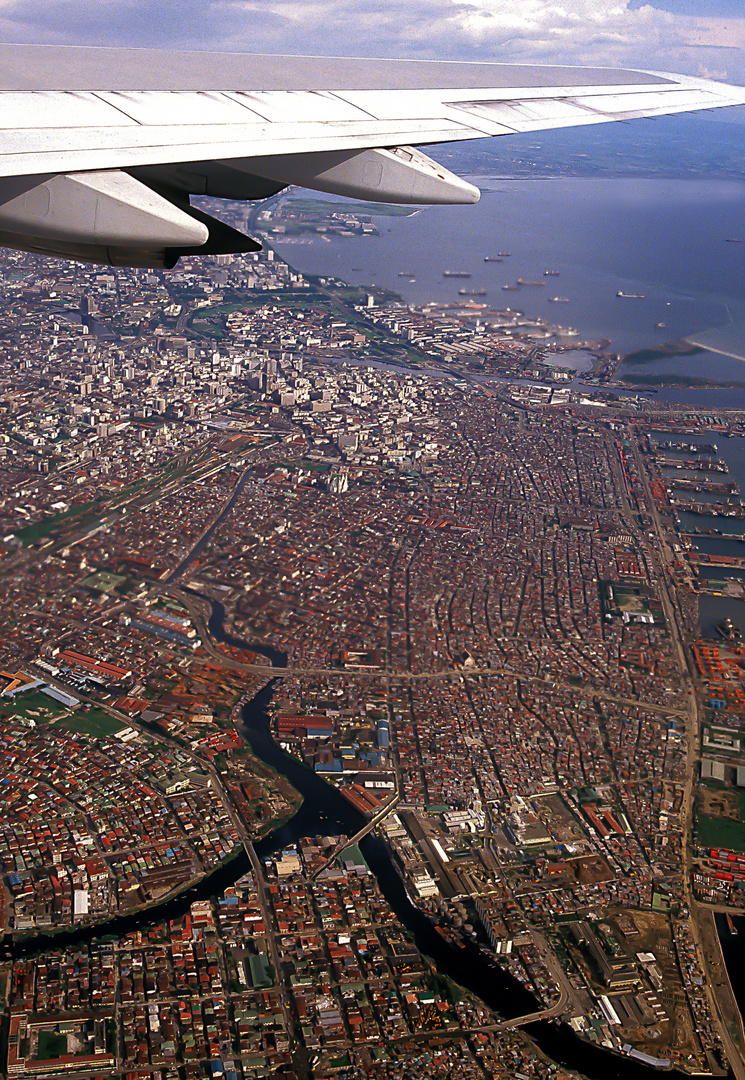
686	448
715	487
731	561
715	534
716	466
708	509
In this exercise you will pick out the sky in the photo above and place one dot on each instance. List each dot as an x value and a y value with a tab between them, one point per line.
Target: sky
662	35
655	35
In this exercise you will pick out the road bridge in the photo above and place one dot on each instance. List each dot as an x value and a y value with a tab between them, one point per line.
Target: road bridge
374	821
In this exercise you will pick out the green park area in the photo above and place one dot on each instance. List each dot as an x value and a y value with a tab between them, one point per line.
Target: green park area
633	599
41	529
721	832
51	1046
36	707
721	817
104	581
93	721
31	705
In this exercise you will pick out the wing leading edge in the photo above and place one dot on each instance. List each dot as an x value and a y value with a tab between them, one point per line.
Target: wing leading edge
243	126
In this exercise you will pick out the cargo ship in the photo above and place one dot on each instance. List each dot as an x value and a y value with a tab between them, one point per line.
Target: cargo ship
492	258
456	273
631	295
559	299
471	292
510	288
521	281
551	273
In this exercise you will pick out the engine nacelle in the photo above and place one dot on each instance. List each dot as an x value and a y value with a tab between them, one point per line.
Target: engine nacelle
109	218
402	174
143	217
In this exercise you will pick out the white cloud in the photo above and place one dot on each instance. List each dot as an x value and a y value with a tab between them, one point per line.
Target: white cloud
596	32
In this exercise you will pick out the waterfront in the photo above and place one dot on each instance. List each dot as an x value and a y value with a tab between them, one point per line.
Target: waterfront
713	609
174	908
661	238
733	951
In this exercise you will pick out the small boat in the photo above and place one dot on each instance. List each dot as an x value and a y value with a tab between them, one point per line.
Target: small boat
730	925
450	936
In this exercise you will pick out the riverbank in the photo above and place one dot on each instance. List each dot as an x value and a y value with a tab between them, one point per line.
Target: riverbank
230	870
326	812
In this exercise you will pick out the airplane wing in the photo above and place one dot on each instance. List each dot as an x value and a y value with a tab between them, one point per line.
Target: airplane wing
100	149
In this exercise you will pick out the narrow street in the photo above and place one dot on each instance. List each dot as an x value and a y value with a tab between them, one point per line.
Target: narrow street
296	1044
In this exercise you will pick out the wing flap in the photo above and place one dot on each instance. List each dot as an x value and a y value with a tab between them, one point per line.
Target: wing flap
154	107
46	109
283	106
610	104
574	109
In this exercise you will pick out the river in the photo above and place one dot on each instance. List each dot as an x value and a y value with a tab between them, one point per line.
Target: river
326	812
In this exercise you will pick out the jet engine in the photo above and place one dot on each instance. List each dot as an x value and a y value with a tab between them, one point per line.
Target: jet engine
110	218
143	216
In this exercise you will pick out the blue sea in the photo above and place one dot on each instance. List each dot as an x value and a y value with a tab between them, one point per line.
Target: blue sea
664	239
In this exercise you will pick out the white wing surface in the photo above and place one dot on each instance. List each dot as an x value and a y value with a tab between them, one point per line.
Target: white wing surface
112	121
